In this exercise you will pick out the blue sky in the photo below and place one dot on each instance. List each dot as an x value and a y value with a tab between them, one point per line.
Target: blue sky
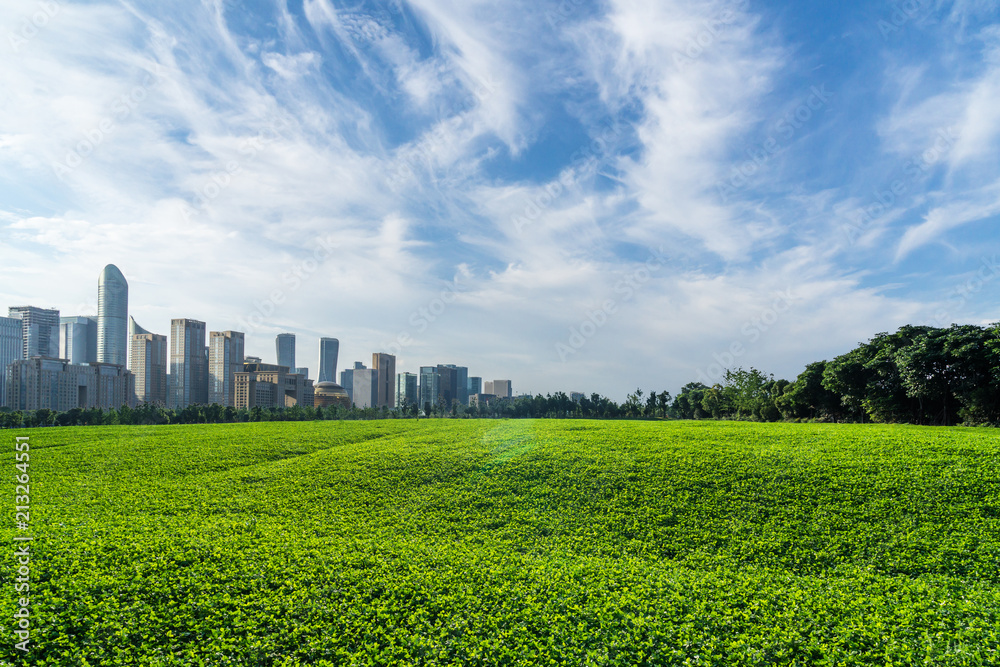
578	195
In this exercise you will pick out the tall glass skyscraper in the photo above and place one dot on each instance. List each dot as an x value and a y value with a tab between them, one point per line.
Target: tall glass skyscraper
225	360
112	317
329	348
188	364
285	348
430	386
40	331
385	364
11	349
148	363
78	339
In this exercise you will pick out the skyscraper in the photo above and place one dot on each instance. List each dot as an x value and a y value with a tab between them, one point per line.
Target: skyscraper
365	386
78	339
406	390
498	388
225	360
329	348
39	331
347	378
284	346
448	385
112	317
461	389
385	364
11	349
475	386
430	386
188	363
148	362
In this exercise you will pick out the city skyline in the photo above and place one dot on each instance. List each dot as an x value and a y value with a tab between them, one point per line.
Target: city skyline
582	196
283	343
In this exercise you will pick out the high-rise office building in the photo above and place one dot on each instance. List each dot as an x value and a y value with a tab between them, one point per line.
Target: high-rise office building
225	360
39	331
448	392
41	382
347	378
112	317
474	386
430	386
284	346
365	387
302	370
461	388
385	364
406	390
498	388
329	348
148	363
78	339
11	349
188	364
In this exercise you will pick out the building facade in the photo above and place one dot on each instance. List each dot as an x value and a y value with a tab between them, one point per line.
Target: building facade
329	348
225	360
498	388
460	391
40	382
474	386
365	387
11	349
406	390
78	339
430	386
448	391
385	364
347	378
284	347
188	364
271	386
148	363
112	317
39	331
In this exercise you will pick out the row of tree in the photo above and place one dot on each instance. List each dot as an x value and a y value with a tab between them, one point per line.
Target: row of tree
558	405
917	375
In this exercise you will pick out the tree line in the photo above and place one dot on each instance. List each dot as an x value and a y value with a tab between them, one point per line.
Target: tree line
918	375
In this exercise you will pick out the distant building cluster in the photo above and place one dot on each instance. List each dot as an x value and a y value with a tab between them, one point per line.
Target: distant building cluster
107	360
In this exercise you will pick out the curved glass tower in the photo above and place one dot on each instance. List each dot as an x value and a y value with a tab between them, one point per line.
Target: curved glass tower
328	350
112	317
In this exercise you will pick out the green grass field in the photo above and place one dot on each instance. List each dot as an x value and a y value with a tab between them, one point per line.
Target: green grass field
509	543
